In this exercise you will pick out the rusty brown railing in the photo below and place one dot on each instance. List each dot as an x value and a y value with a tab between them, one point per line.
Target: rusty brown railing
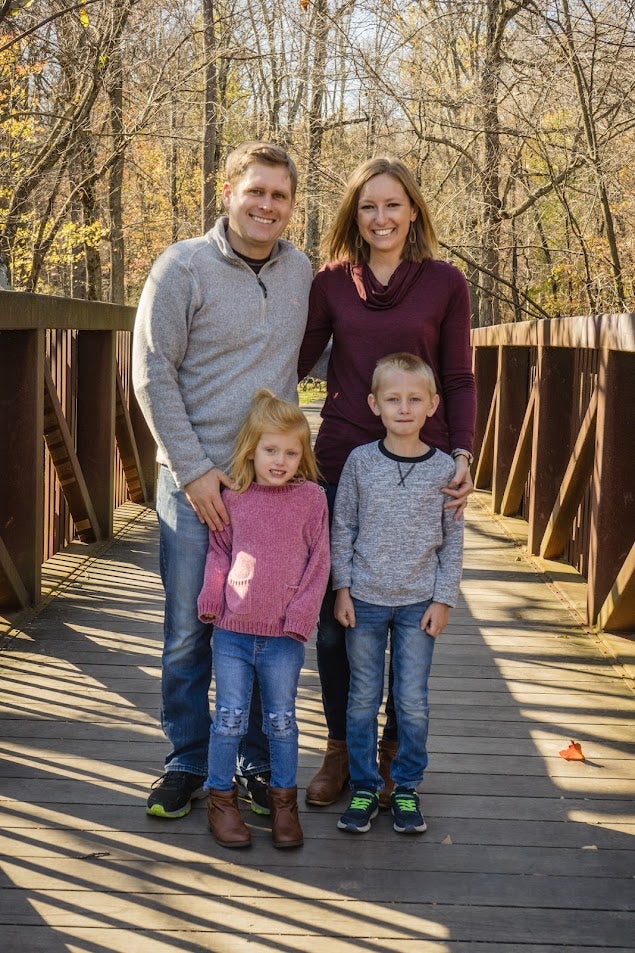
554	439
555	444
73	443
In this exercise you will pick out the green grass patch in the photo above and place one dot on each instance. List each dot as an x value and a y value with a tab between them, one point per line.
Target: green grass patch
311	389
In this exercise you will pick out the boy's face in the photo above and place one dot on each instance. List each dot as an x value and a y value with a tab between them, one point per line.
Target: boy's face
404	402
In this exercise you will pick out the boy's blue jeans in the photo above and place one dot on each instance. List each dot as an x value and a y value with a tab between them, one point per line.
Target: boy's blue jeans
411	658
187	657
276	661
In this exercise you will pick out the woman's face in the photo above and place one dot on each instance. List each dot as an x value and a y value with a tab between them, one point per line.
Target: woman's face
384	215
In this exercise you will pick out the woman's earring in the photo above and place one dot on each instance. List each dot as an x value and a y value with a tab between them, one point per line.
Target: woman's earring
359	242
412	234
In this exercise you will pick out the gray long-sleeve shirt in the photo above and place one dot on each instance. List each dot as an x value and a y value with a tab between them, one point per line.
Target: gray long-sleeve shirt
208	333
392	543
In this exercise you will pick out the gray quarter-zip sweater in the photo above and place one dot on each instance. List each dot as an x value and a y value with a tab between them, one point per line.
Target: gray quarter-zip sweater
208	333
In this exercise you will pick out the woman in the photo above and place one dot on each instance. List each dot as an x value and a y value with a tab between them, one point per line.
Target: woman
383	291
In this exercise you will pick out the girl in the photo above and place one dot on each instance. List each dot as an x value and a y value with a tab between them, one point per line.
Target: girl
265	577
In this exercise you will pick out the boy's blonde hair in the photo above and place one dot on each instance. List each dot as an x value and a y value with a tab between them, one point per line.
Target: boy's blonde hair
402	361
271	414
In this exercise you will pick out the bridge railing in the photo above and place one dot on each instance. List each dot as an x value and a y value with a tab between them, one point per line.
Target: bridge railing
554	440
555	444
73	443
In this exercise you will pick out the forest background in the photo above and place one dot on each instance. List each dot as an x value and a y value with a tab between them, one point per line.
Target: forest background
517	117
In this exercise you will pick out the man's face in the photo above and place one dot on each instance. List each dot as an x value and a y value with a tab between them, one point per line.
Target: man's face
259	206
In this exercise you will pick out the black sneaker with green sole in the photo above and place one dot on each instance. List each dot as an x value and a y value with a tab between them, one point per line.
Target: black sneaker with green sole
172	794
255	790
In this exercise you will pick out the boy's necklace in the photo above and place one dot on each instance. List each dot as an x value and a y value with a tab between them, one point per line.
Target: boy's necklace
404	476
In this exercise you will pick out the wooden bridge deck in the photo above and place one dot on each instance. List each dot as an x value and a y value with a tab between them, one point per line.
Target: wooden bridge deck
524	850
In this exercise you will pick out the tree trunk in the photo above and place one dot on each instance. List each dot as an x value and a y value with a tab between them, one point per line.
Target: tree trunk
115	182
316	132
210	118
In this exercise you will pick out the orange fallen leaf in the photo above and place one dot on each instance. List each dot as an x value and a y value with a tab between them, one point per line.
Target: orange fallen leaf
573	752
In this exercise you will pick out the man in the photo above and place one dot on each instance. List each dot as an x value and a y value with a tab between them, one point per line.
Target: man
219	317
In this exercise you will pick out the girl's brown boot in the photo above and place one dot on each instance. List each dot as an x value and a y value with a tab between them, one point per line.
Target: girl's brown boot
225	821
285	822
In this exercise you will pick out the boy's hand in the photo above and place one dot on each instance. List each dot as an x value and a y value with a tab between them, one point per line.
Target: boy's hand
344	610
435	618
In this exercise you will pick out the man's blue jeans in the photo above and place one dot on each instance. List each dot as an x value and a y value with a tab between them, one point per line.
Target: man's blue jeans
277	662
411	658
187	656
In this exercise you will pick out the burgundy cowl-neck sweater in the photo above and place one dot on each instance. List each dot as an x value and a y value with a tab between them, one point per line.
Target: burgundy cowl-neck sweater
266	573
425	310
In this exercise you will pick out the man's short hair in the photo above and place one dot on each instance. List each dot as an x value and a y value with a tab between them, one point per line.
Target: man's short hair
403	361
239	160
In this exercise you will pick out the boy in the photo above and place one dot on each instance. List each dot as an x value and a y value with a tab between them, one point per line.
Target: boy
396	564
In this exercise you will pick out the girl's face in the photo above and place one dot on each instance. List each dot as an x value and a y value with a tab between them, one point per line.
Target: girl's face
384	214
277	458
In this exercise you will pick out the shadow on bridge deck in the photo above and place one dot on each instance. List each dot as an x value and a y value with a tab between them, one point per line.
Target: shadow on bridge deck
524	850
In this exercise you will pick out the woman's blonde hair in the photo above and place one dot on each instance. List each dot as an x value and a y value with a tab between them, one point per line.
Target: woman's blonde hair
344	241
271	414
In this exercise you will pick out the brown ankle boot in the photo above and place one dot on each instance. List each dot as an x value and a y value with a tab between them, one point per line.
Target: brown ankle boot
225	821
285	823
387	752
328	784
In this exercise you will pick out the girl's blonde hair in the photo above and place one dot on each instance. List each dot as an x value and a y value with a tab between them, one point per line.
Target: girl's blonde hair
344	240
271	414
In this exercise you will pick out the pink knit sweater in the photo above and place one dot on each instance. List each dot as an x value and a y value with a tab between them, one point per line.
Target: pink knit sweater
266	572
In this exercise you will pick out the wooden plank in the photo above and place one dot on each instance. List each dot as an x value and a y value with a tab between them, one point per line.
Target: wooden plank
552	436
524	851
69	472
612	497
128	447
521	462
485	464
611	331
513	374
96	364
574	481
21	464
12	589
618	612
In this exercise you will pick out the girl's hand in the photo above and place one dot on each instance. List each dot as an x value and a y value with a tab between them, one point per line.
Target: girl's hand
459	487
435	618
344	610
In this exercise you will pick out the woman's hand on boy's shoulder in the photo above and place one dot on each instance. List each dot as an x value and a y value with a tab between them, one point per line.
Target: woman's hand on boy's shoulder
435	618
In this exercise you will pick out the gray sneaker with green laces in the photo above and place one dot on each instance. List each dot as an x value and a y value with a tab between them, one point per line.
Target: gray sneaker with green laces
363	808
408	819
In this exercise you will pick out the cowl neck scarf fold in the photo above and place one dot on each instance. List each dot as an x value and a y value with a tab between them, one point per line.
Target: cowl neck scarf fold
380	297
